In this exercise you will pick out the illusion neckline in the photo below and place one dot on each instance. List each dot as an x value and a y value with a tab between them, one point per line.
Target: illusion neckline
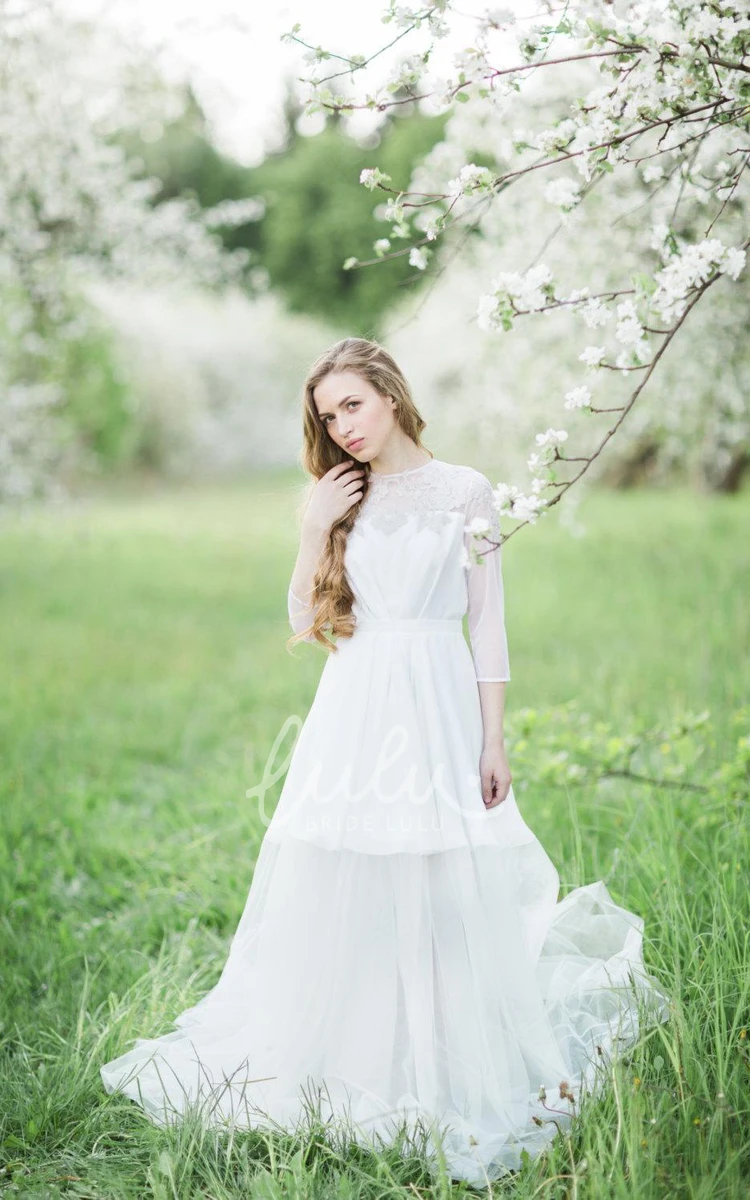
398	474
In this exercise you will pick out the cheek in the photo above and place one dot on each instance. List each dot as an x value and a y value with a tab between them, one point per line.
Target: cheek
373	419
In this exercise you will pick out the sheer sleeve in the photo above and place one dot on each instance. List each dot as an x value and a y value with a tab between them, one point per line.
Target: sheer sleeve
486	603
300	614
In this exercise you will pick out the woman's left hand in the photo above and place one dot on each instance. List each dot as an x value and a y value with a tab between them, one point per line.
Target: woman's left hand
495	775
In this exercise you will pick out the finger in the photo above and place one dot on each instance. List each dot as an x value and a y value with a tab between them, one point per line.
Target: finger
500	792
486	777
338	470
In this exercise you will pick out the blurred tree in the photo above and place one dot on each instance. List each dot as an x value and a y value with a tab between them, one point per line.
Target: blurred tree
187	163
619	198
75	210
317	214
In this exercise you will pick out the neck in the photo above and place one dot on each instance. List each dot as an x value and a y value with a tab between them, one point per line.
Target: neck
395	463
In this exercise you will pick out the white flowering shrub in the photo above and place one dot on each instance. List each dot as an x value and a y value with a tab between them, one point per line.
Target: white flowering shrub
616	206
214	379
488	395
73	209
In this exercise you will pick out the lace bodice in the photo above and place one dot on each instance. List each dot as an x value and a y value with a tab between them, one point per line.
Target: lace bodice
411	553
426	493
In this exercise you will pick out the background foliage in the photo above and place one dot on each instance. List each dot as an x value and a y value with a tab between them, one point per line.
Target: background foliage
146	639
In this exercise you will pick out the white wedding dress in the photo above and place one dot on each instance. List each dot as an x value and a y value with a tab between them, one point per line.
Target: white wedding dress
403	959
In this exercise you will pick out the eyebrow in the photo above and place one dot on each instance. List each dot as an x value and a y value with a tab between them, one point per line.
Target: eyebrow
341	403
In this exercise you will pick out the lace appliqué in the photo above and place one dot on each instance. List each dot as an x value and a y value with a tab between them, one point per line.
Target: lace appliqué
388	522
428	496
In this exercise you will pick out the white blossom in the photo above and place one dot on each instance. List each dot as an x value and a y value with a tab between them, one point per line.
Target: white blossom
529	292
418	257
499	17
370	177
231	213
579	397
504	495
477	525
528	508
595	313
563	193
410	71
441	90
629	329
403	17
592	356
487	313
471	178
733	261
658	235
550	141
652	172
551	438
686	270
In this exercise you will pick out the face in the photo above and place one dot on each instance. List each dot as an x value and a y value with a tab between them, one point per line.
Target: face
356	417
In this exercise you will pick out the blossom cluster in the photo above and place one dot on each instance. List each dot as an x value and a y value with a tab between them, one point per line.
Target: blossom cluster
670	75
73	207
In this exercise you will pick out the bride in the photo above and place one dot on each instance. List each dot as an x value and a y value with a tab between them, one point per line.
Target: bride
403	955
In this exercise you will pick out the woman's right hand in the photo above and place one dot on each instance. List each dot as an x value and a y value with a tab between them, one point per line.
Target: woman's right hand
333	495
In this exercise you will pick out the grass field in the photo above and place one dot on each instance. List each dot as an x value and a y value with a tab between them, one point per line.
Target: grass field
145	678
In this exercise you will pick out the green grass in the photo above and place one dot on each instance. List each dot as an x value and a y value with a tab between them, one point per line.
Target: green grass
146	677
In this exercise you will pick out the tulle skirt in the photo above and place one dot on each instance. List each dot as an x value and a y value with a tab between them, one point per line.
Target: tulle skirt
447	991
403	962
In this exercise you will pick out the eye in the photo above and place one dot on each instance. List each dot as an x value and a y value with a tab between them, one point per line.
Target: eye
350	403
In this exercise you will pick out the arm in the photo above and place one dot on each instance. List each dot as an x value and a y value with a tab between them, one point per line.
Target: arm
329	500
484	585
301	612
489	643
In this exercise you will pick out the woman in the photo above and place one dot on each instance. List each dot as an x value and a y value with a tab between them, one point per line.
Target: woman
402	955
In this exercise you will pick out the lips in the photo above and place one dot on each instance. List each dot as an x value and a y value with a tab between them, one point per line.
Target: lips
355	444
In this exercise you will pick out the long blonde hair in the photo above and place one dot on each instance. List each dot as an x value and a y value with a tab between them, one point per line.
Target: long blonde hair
331	595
